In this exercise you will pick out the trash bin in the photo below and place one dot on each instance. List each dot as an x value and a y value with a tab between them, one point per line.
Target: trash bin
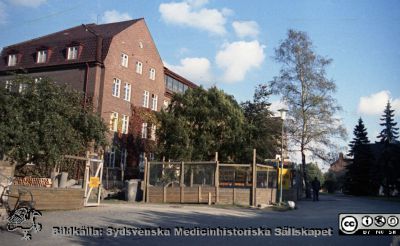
131	190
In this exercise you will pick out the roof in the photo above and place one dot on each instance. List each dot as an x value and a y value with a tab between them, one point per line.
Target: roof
83	35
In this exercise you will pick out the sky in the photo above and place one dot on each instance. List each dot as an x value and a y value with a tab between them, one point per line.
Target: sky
230	44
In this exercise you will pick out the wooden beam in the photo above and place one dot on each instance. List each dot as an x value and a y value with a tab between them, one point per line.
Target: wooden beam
254	185
216	182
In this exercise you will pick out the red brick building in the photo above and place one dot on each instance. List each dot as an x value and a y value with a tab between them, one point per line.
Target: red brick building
116	65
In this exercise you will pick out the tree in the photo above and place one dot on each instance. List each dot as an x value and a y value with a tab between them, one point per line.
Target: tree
388	166
262	131
41	122
360	137
359	175
199	123
390	133
313	171
331	183
307	91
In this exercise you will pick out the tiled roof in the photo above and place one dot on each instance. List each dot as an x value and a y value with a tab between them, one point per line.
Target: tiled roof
58	43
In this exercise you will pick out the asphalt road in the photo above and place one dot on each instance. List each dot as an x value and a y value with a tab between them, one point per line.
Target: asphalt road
182	218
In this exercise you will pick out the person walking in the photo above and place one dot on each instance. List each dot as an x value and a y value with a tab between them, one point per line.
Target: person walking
316	186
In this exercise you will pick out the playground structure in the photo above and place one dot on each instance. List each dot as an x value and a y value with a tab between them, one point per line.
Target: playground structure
213	182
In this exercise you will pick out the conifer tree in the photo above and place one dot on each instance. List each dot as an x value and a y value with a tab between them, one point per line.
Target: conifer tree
390	133
358	177
360	137
388	166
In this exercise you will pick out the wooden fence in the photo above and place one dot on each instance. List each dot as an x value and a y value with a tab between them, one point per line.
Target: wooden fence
248	192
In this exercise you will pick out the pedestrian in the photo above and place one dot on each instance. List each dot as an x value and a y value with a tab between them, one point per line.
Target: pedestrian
316	186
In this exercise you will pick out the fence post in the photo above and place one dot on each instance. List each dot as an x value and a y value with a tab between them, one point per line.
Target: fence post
181	183
216	178
254	185
165	194
199	193
146	181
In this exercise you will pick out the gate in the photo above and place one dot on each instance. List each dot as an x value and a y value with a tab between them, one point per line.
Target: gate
93	181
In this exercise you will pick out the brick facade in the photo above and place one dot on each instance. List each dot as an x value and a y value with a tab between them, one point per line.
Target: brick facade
97	65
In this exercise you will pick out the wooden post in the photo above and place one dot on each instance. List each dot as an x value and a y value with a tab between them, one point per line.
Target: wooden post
165	194
254	170
199	193
191	176
234	196
182	181
209	198
101	178
216	178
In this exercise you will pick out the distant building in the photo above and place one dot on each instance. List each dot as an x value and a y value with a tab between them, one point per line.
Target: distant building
117	66
339	166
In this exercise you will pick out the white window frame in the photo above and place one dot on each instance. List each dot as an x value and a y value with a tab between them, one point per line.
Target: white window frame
127	92
146	98
154	100
125	124
73	52
22	87
124	60
116	87
42	56
144	130
166	104
152	74
111	158
114	122
12	60
8	85
139	67
153	132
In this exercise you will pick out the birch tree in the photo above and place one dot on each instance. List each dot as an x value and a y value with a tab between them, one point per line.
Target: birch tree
303	84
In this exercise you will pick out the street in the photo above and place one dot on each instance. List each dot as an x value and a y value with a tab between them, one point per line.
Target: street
322	214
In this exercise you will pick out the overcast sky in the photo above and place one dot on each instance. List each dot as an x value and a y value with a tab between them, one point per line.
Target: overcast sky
230	43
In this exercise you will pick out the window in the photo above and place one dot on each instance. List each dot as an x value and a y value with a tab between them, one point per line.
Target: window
8	85
12	60
146	99
111	158
116	87
114	122
152	74
139	67
125	124
22	87
153	132
124	154
144	130
141	162
141	45
41	56
151	156
124	60
166	103
127	92
72	53
154	99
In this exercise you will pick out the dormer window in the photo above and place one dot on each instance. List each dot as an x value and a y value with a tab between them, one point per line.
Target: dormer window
12	60
42	56
72	52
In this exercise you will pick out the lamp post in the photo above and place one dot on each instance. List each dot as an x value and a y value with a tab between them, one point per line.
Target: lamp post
282	111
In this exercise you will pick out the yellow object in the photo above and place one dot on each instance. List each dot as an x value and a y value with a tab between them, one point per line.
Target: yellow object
286	178
94	182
